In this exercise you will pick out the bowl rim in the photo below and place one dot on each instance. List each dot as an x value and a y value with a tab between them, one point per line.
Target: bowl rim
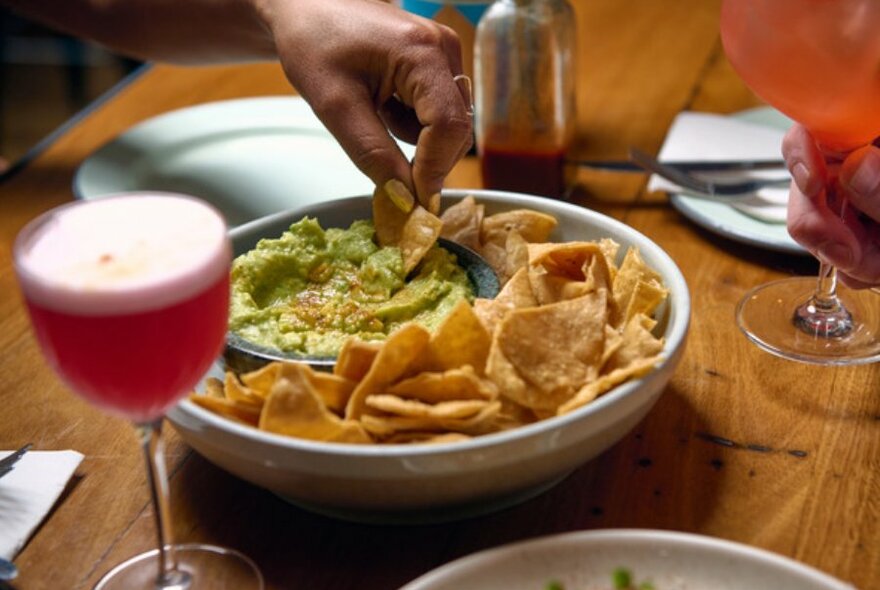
630	537
673	347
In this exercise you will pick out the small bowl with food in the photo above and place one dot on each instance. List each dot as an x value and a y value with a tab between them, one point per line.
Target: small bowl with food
625	559
489	403
299	295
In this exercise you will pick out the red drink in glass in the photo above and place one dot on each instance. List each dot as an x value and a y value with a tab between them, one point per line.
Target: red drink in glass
129	299
136	364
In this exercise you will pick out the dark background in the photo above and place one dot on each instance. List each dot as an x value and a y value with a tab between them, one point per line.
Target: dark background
45	78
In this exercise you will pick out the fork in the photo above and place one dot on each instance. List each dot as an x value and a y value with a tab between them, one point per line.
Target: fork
724	191
8	462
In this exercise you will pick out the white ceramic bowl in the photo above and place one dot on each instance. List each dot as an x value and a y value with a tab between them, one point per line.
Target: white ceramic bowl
419	483
586	559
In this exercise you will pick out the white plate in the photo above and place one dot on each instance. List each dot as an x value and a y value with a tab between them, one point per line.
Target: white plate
585	561
726	221
249	157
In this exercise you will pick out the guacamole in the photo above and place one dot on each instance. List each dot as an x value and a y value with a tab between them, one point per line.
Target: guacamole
309	290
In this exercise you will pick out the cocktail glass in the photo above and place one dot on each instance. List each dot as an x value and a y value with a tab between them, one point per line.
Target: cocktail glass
816	61
128	297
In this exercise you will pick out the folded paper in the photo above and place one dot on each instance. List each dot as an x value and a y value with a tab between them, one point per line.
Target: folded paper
28	492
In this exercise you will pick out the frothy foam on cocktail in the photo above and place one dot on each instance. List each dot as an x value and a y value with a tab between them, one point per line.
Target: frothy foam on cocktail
122	255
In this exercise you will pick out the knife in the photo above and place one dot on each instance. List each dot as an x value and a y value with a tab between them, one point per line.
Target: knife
10	460
683	165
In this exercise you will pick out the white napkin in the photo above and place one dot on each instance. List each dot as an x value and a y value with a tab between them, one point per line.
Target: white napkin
29	491
705	136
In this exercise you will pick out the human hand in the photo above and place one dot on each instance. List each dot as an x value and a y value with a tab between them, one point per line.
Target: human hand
367	67
851	241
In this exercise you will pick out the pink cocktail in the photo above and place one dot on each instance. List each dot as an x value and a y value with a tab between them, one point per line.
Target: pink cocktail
818	61
129	298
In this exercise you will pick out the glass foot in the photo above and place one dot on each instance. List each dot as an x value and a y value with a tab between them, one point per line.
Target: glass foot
200	567
781	318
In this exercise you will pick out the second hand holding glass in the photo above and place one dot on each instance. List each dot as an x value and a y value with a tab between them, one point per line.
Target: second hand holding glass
816	61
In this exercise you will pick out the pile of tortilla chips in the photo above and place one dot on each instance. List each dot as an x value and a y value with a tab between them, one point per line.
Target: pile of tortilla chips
567	326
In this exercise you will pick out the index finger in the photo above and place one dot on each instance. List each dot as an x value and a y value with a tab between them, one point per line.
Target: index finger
445	138
430	87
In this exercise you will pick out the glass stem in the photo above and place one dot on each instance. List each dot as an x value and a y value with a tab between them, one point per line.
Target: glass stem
823	315
826	287
168	576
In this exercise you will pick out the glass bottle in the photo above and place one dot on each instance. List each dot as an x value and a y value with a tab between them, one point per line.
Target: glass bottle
525	94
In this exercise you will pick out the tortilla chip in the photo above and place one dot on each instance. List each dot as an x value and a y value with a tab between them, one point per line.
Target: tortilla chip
419	234
637	289
459	340
636	342
398	406
261	380
414	232
565	271
605	383
462	221
461	383
237	392
516	250
402	348
294	408
495	256
214	388
388	219
566	260
480	423
334	390
610	248
613	342
241	412
533	226
404	438
516	294
530	364
355	358
512	415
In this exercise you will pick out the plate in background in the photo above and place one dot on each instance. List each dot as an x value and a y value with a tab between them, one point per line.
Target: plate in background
586	560
249	157
726	221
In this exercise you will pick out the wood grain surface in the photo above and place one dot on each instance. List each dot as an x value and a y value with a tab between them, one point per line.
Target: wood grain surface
741	446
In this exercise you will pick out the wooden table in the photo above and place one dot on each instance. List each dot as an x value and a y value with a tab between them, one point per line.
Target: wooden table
812	494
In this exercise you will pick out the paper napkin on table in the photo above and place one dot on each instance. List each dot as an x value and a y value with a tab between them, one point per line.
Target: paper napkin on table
29	491
708	137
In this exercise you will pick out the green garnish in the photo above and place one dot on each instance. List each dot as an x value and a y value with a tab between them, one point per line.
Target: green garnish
621	578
